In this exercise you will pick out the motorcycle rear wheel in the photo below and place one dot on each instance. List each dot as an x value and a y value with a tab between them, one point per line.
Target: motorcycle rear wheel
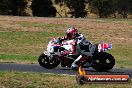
103	61
45	62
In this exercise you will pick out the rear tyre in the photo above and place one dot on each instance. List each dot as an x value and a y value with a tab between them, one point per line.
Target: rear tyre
45	62
103	61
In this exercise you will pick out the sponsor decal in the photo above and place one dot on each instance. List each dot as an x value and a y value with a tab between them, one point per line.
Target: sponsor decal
101	78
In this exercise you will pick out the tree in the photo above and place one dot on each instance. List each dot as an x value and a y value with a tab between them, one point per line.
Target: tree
124	7
77	7
43	8
62	3
13	7
103	8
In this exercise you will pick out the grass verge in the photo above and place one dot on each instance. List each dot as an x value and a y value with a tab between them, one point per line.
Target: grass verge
24	39
26	59
40	80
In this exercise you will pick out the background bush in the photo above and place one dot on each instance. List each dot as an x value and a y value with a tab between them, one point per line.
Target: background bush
76	8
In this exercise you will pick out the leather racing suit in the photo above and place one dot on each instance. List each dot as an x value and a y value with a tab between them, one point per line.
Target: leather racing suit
81	47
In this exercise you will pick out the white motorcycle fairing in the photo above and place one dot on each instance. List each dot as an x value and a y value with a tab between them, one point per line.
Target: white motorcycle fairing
53	47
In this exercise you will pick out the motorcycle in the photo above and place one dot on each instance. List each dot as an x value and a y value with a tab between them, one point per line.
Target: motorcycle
52	57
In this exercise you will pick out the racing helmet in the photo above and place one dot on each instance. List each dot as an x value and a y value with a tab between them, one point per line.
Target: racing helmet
71	32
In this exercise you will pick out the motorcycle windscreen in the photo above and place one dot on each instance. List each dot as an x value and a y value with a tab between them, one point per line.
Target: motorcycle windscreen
103	47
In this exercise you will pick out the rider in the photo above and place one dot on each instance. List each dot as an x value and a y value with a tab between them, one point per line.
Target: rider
80	46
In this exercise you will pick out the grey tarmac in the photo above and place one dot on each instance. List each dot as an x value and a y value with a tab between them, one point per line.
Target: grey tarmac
58	70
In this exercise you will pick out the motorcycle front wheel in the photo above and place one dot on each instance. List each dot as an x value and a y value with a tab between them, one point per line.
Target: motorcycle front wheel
48	63
103	61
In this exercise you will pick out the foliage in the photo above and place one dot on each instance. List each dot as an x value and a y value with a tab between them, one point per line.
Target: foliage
124	7
103	8
43	8
77	7
13	7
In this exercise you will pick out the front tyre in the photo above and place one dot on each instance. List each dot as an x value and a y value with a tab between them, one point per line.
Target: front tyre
103	61
45	62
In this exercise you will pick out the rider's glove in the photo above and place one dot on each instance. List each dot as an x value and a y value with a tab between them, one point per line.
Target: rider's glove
59	40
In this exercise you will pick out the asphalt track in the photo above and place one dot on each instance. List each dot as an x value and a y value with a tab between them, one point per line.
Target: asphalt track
58	70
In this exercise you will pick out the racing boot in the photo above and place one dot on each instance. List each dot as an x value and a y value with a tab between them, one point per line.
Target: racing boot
74	65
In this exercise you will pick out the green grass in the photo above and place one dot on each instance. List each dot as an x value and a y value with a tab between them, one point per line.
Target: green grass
26	40
113	20
18	58
40	80
122	54
23	42
40	25
24	46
